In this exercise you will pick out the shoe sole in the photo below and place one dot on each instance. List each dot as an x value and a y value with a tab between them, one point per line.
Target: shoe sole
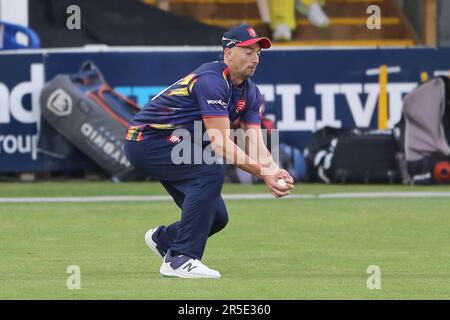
151	244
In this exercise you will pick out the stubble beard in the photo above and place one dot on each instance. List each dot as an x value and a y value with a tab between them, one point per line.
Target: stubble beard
249	72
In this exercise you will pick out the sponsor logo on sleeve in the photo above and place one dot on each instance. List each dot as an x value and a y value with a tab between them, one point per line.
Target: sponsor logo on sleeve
217	102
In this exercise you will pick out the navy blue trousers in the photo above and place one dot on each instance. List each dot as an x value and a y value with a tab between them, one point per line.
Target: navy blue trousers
195	188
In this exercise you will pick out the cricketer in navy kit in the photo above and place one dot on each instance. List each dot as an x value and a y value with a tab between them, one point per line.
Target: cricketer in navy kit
214	95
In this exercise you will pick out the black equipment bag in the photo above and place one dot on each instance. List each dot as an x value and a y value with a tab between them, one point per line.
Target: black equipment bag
365	157
86	111
352	156
317	148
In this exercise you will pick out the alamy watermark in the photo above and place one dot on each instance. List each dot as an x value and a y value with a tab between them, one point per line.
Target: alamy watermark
73	22
74	280
374	281
210	146
374	20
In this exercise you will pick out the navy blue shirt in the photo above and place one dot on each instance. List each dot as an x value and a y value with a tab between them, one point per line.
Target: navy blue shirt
206	92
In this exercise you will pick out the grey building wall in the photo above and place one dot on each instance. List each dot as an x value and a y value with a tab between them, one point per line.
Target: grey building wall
413	10
443	17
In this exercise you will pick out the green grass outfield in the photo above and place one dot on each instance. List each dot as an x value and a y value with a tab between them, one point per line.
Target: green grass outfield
272	249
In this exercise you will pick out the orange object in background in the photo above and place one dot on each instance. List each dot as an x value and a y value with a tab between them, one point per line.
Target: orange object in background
442	172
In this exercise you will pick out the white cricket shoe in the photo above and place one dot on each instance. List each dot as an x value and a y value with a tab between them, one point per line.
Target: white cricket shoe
151	241
282	33
182	266
316	16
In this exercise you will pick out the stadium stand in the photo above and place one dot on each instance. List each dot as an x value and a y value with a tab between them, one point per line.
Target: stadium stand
173	22
347	21
117	23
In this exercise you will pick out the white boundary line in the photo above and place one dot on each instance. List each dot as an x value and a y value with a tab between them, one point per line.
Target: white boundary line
361	195
383	195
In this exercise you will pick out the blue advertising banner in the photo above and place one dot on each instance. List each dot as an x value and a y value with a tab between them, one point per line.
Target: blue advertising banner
304	90
20	78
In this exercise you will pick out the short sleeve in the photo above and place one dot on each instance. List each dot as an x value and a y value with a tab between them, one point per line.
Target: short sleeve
253	114
211	93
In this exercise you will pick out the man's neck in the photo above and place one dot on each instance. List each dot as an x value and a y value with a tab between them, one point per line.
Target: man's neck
235	80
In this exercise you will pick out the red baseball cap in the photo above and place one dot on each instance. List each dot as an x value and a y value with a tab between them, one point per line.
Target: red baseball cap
243	36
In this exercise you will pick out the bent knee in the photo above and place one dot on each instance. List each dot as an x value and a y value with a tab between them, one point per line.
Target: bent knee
220	221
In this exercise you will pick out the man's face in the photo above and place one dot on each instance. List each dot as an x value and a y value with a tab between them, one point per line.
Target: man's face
245	59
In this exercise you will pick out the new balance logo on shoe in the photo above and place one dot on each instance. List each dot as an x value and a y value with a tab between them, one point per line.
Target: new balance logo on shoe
182	266
189	267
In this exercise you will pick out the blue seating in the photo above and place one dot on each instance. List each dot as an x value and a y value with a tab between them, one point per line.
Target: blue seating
10	32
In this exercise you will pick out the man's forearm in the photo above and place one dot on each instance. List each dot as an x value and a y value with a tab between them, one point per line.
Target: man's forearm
232	154
265	159
256	149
